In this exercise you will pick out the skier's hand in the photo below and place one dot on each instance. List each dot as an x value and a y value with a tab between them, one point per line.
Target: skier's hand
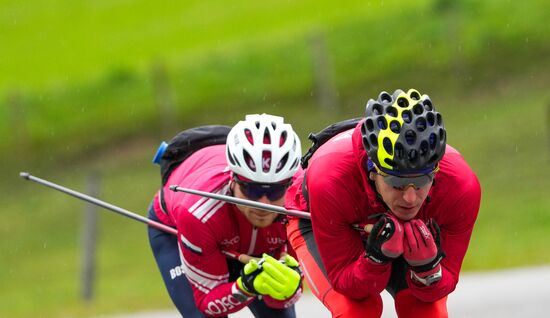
385	241
278	279
422	249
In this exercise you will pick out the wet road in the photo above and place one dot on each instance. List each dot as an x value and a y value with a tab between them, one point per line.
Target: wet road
521	292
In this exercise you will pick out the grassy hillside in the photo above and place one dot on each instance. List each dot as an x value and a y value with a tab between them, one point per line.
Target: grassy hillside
241	57
73	41
77	95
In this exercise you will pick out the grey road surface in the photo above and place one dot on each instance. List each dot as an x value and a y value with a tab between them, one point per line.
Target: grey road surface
523	292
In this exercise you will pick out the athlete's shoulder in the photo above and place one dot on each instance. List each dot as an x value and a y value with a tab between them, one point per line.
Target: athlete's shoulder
455	166
336	151
208	176
456	179
205	210
201	164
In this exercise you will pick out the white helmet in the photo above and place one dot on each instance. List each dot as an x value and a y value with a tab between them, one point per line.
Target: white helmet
263	148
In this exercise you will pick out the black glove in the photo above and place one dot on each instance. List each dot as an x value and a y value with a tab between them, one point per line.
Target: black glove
385	241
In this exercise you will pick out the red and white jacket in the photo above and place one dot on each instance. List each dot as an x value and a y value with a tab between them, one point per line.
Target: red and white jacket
207	226
340	195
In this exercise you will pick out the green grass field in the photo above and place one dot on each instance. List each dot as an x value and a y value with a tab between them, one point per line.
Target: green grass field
79	77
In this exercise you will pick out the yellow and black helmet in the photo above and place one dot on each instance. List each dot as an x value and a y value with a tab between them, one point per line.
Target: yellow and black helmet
402	132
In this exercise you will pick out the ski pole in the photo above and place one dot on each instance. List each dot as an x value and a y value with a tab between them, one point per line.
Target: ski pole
103	204
258	205
250	203
159	226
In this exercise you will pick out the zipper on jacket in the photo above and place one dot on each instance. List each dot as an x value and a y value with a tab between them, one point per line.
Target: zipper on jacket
253	238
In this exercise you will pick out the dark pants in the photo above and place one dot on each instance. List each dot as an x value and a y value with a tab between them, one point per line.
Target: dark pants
166	251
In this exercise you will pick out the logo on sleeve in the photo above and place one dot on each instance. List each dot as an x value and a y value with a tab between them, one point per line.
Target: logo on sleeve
222	305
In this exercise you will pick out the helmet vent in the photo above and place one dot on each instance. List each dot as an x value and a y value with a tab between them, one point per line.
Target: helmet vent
230	157
249	161
431	118
414	95
407	116
395	127
385	97
428	105
403	102
433	141
282	163
372	139
423	148
366	143
418	109
382	123
410	137
388	146
377	109
369	124
249	137
420	124
267	137
439	119
282	140
398	150
392	111
266	160
274	125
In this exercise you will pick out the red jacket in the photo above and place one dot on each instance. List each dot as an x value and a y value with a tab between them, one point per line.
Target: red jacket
340	195
206	226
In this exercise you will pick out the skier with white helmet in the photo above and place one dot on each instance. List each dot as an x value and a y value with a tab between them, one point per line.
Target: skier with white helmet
257	162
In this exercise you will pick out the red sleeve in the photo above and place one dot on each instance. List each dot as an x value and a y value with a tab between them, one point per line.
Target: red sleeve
206	268
333	202
459	206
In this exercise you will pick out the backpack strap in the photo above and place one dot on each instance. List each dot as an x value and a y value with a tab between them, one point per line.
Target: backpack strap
304	191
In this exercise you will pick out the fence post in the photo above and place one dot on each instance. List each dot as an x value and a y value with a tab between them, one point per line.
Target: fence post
163	98
451	11
323	75
89	239
548	125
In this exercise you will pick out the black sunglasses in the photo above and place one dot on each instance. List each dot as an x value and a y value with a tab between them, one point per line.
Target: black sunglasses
255	190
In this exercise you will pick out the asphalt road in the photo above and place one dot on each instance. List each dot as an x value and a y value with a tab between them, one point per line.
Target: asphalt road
514	293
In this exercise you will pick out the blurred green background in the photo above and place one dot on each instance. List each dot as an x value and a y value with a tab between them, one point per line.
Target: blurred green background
94	86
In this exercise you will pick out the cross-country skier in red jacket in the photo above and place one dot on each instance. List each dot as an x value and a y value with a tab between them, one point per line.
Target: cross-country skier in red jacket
258	161
395	175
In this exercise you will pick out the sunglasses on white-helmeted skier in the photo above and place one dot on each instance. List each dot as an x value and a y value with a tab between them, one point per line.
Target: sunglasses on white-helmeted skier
256	190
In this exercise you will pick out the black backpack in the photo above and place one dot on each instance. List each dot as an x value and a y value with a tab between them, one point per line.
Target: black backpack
170	155
324	135
318	140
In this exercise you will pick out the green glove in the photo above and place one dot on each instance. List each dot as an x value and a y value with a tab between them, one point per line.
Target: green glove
278	279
